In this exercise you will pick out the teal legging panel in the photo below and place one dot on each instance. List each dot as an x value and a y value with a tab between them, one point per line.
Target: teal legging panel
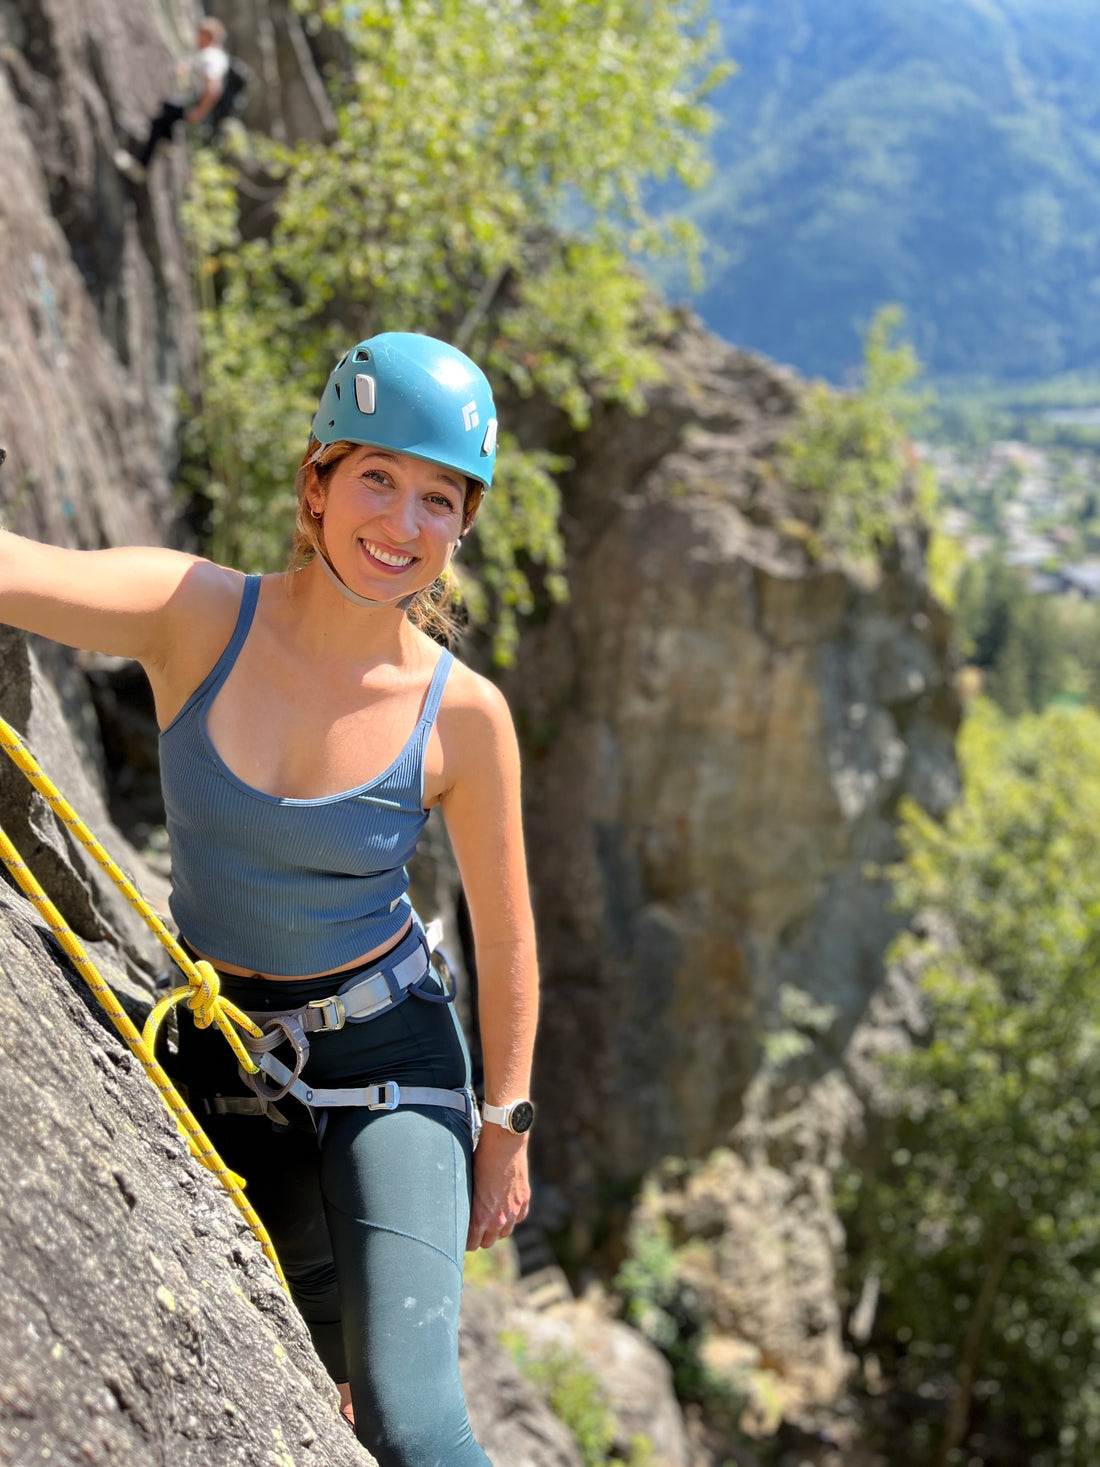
369	1220
398	1254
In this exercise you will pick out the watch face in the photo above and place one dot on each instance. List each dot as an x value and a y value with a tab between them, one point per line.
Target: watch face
523	1114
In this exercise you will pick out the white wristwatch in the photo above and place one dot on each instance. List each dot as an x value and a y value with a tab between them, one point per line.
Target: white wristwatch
517	1116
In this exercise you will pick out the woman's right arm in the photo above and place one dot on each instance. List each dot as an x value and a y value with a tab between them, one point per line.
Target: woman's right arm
170	611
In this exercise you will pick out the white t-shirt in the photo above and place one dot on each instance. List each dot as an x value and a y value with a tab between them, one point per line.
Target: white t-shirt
210	64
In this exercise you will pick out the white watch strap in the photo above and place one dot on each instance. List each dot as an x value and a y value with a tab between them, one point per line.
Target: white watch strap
498	1114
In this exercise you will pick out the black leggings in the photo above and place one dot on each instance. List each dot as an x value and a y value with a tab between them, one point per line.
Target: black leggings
161	128
369	1221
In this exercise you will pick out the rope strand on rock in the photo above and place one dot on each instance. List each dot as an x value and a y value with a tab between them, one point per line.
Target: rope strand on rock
200	993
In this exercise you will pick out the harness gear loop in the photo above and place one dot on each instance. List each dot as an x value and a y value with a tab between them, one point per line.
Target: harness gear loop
207	1000
277	1031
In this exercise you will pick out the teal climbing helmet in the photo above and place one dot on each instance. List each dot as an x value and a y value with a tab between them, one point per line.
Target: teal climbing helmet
412	394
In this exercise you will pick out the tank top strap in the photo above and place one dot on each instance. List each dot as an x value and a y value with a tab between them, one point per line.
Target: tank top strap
435	689
224	665
245	618
217	675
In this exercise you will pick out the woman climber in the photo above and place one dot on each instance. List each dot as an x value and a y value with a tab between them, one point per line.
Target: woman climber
295	793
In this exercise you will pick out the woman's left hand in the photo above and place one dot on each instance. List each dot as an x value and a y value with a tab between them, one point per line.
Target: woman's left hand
502	1193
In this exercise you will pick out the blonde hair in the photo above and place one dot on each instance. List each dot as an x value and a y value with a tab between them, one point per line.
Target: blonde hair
434	610
213	28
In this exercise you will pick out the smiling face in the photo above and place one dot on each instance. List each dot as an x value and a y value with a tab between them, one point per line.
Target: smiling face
389	522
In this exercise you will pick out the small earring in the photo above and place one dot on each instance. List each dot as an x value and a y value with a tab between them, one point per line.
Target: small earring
318	514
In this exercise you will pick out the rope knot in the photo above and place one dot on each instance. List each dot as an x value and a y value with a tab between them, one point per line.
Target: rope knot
204	1001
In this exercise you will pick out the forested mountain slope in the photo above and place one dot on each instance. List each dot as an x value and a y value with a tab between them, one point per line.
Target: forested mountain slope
941	153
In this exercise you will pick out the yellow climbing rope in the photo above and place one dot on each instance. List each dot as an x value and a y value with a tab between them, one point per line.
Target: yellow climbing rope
200	993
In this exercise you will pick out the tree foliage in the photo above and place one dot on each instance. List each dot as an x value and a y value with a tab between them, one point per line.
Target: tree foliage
1032	648
485	184
987	1227
850	452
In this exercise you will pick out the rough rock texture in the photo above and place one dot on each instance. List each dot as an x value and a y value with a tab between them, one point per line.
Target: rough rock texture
89	901
98	340
633	1377
755	1253
97	335
139	1320
287	99
511	1423
718	732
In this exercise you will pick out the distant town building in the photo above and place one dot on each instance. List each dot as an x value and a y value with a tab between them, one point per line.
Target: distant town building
1081	580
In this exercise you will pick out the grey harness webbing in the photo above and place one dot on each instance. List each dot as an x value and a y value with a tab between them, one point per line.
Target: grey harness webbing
387	1096
360	999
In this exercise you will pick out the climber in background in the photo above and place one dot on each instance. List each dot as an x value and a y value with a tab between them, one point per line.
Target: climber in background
212	84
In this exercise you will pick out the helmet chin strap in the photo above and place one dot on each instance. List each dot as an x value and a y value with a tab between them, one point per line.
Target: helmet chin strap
401	603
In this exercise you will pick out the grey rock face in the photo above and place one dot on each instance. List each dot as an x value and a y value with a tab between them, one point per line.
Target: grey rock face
89	901
718	733
508	1419
97	335
287	99
139	1320
633	1378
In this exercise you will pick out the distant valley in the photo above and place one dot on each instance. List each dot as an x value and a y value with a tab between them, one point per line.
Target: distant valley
944	154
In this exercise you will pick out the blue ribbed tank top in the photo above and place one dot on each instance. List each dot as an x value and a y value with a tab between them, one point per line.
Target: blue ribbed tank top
286	886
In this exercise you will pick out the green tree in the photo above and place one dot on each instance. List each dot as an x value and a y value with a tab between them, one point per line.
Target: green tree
850	452
987	1226
486	184
1024	642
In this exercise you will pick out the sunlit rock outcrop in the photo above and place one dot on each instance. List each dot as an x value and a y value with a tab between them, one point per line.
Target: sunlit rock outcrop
718	728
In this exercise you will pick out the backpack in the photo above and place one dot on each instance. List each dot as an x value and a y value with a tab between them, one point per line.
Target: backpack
238	78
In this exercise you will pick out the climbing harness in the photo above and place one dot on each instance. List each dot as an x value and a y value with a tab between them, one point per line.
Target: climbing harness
400	974
200	992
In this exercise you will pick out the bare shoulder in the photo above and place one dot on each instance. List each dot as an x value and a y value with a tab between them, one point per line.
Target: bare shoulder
204	596
475	723
473	697
192	630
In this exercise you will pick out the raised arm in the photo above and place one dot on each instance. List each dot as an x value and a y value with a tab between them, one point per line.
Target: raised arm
482	811
212	89
171	612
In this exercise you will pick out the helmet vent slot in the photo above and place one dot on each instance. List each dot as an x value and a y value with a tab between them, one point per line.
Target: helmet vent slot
364	393
362	354
336	388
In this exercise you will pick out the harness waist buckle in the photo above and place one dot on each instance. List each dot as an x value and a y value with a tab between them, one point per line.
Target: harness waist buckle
332	1012
392	1092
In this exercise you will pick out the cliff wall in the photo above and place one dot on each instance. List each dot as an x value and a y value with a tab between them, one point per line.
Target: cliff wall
719	729
97	332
